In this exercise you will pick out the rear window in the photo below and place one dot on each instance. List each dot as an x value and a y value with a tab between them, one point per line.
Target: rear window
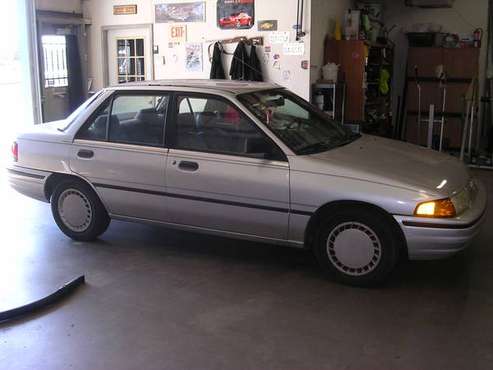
73	116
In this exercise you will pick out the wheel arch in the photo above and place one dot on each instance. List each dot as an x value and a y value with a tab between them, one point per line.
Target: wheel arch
56	177
312	228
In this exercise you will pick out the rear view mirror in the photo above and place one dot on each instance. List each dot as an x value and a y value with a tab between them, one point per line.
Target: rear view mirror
279	102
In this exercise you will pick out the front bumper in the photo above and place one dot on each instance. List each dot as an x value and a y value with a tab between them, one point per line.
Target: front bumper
440	238
28	182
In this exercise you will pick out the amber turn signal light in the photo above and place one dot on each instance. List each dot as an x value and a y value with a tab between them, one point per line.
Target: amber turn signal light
442	208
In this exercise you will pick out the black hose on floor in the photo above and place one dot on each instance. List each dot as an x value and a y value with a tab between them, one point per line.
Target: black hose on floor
54	297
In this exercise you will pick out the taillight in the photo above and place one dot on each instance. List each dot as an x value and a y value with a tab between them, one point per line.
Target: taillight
15	151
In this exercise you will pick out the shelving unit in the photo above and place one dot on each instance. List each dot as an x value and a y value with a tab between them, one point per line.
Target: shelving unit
334	98
360	66
378	105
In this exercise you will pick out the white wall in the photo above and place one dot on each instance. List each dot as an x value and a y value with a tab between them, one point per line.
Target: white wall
101	14
463	18
324	15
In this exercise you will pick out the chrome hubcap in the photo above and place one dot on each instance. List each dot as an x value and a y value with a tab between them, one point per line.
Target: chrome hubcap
75	210
354	248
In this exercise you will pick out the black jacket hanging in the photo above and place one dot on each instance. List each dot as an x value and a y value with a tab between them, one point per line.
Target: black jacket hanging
254	66
239	70
217	70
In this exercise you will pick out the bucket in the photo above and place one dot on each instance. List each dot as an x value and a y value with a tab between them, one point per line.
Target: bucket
330	72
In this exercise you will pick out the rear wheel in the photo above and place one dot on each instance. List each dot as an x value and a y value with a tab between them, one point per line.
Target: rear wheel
78	211
358	246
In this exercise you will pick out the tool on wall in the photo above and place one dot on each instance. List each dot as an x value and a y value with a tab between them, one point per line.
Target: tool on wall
431	121
299	20
443	86
418	87
468	129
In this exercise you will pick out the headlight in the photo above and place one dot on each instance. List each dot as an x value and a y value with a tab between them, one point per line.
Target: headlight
442	208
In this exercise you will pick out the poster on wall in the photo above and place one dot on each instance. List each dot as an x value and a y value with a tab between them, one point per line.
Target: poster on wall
235	14
180	12
193	57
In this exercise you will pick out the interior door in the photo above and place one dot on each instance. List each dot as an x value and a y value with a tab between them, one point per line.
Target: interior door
222	172
120	151
129	55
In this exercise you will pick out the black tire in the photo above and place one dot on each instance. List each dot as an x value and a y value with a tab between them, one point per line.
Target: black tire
94	215
380	243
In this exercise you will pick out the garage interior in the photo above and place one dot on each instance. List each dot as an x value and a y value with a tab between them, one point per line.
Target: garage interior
159	298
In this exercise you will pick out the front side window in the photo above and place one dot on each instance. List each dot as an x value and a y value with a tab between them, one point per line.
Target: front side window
138	119
211	124
303	128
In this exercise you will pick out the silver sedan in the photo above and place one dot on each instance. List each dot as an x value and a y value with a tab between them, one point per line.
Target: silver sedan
252	161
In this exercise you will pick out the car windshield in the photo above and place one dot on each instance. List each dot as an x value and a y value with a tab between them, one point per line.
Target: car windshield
302	127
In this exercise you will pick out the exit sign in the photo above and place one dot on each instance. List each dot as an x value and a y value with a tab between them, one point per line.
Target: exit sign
124	9
178	33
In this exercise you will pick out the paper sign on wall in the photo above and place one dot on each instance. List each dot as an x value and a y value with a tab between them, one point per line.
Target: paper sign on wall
279	37
178	33
193	57
294	48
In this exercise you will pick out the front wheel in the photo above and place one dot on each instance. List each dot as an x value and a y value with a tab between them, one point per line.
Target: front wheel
78	211
358	246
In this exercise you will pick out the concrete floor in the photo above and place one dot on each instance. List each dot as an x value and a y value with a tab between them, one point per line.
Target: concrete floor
161	299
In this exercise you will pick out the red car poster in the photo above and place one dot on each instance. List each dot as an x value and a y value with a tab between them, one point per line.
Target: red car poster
235	14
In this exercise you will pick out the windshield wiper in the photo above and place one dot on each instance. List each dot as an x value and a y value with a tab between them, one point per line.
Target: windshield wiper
314	148
349	140
323	146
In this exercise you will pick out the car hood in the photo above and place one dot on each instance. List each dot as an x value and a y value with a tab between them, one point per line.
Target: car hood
393	163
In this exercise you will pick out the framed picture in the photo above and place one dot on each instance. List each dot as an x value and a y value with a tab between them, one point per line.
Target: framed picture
270	25
235	14
180	12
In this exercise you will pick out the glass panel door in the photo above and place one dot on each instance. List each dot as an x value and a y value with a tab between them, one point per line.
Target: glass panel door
130	59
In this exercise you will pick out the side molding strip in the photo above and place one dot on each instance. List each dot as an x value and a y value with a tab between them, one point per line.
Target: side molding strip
201	199
21	173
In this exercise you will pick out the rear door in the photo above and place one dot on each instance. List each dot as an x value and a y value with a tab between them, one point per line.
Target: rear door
223	172
120	150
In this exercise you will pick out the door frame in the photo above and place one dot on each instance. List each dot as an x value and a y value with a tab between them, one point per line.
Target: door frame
105	46
79	24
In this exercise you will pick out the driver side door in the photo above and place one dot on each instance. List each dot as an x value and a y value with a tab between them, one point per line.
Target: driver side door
222	172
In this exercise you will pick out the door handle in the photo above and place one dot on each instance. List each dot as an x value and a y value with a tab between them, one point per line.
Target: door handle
85	153
188	166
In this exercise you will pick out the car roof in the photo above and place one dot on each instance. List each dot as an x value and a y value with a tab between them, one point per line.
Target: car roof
228	86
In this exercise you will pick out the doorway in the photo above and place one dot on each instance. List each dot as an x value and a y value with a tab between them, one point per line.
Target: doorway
55	82
129	54
60	68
